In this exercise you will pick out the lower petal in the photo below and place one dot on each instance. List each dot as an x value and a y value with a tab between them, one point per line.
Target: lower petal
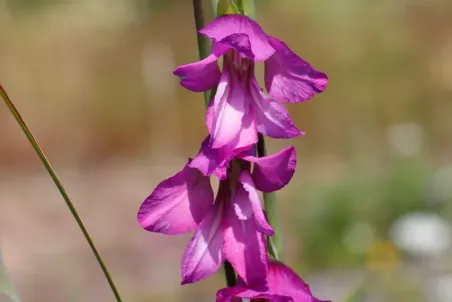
288	78
255	203
216	161
178	204
272	118
244	247
204	256
273	172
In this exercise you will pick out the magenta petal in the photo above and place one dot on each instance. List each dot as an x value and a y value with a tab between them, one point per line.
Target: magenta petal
239	42
244	247
255	203
216	161
178	204
248	134
288	78
272	118
224	116
230	29
199	76
242	205
210	161
273	172
203	255
283	286
202	75
282	281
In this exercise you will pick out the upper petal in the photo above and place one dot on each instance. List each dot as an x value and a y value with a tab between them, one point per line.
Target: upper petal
255	203
222	28
273	172
202	75
178	204
244	247
203	255
283	281
272	118
288	78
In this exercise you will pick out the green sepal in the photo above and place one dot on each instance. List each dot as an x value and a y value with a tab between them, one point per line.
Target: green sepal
227	7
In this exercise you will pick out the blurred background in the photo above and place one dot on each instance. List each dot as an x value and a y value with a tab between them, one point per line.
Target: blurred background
367	216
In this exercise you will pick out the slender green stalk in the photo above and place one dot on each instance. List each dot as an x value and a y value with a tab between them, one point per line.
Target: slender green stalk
203	42
204	50
274	243
60	187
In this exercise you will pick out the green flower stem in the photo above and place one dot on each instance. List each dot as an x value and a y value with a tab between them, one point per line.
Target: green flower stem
274	243
60	187
204	50
203	42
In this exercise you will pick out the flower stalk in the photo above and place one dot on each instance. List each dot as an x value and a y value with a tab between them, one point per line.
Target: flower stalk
274	243
61	189
204	51
203	42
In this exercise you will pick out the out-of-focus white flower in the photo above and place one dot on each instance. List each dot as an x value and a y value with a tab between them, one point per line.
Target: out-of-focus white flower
422	234
442	287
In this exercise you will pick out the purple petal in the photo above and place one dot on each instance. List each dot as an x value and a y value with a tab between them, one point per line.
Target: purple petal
283	281
283	286
288	78
178	204
199	76
230	30
225	113
244	246
210	161
241	204
248	134
202	75
272	118
254	202
273	172
240	42
203	255
216	161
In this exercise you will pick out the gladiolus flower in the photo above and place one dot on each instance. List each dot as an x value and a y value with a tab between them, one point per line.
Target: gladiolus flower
234	228
240	109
